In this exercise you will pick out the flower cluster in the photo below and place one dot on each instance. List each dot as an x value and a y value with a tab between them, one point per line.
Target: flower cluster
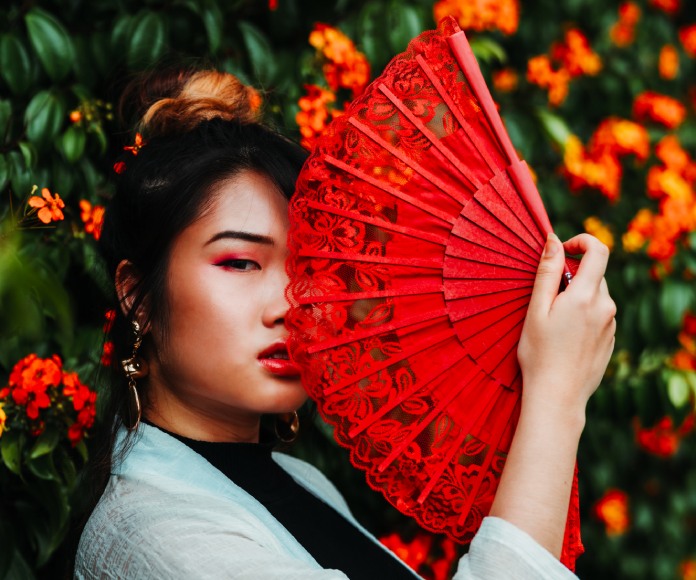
623	32
671	183
669	6
345	67
92	113
430	557
93	218
505	80
571	58
48	207
107	355
687	36
663	438
595	227
668	62
40	393
599	165
315	113
687	569
503	15
652	106
612	510
685	357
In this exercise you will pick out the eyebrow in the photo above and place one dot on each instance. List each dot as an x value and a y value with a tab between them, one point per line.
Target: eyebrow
246	236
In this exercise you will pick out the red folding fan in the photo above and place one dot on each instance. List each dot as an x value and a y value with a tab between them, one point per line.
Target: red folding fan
415	236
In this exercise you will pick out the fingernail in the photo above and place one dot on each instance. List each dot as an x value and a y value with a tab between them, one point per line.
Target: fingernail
552	245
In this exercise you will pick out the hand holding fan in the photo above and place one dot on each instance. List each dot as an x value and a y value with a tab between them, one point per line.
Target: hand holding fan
415	237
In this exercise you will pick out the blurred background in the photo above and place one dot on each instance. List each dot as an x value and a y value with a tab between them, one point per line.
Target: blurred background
598	96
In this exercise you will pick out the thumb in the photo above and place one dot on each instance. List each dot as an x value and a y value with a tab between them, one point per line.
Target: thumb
548	277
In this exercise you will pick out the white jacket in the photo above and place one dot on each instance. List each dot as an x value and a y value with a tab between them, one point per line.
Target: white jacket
167	513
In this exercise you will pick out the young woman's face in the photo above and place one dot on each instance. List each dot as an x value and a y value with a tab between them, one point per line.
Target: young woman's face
224	361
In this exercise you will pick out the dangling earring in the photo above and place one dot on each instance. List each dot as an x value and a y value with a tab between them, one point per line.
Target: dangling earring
134	368
287	426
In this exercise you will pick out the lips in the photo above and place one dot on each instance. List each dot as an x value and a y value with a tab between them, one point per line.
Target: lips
275	360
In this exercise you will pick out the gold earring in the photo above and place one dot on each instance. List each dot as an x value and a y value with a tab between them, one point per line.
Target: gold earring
134	368
287	426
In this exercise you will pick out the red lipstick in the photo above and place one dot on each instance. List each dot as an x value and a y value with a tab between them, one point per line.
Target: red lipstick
275	360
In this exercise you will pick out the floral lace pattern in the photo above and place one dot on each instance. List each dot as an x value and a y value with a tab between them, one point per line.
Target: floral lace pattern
412	260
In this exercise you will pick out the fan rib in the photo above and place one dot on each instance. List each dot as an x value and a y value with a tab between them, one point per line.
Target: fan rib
456	111
423	289
473	184
415	262
417	348
463	386
408	161
429	318
469	65
492	450
443	465
432	210
384	224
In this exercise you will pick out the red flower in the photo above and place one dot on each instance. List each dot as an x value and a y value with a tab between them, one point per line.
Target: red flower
612	510
93	217
659	108
661	440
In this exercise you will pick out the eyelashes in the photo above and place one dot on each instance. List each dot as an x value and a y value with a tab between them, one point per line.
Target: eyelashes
237	264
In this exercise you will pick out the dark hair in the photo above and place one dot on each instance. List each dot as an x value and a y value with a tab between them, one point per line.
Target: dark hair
194	141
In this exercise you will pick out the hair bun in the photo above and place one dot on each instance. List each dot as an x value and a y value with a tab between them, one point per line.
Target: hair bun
202	96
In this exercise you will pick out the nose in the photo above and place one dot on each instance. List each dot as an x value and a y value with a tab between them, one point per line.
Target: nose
277	305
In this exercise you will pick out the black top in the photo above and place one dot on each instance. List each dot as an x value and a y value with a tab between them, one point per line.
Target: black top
333	541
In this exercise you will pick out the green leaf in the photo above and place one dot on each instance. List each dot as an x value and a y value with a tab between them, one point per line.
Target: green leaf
72	143
403	24
4	172
15	66
554	126
44	117
678	389
11	451
51	43
5	116
45	443
28	153
488	50
676	298
260	52
147	41
213	22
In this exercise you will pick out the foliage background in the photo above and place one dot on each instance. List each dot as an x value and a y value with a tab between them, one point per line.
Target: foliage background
638	487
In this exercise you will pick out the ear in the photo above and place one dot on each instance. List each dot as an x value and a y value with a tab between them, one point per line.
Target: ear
126	280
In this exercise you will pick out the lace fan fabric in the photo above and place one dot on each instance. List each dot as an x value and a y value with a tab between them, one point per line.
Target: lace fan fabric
412	259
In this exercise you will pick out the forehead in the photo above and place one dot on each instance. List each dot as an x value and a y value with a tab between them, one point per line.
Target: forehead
248	202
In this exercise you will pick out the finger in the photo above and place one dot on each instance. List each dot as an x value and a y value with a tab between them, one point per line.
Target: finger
595	257
548	277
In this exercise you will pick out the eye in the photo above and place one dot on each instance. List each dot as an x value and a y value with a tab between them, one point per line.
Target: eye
238	264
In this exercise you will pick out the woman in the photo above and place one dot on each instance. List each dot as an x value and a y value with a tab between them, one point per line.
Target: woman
195	239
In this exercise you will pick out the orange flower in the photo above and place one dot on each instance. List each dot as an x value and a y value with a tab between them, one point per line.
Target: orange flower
684	360
503	15
612	510
594	226
670	152
640	228
687	36
110	316
314	114
668	6
540	72
50	207
668	63
84	402
3	418
687	569
346	67
660	108
75	116
505	80
661	440
93	217
30	379
620	137
602	172
623	32
138	144
575	54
